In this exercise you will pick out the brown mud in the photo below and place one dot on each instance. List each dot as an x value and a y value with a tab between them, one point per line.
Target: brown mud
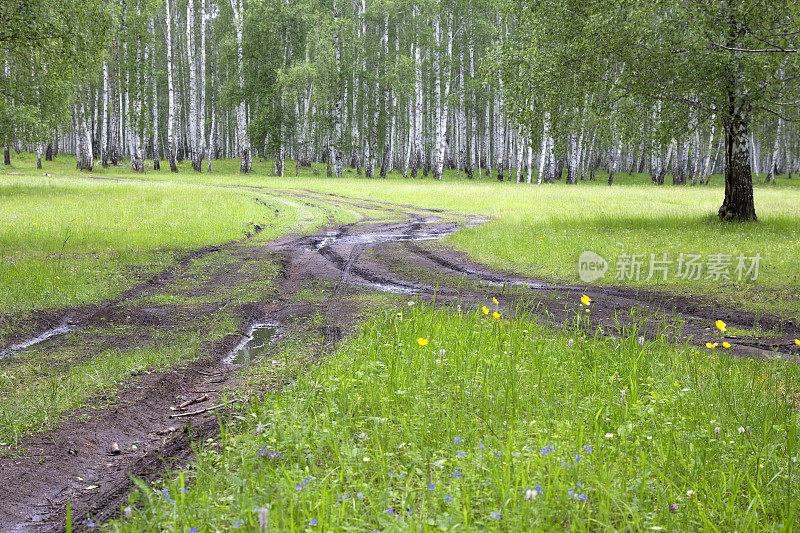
394	249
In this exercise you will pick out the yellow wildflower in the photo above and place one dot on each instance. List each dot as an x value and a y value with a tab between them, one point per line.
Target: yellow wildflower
721	325
797	342
726	345
485	310
496	314
495	301
585	300
422	341
711	346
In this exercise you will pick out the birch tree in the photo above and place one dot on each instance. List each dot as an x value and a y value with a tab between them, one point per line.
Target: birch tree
241	110
723	61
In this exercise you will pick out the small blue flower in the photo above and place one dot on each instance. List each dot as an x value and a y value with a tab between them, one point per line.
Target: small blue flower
546	450
431	487
192	530
390	511
448	498
570	492
577	458
583	497
538	488
236	525
481	446
587	448
457	440
461	454
312	522
360	495
495	515
456	473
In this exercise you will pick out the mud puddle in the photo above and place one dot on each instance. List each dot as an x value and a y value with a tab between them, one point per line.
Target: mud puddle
254	345
62	329
376	238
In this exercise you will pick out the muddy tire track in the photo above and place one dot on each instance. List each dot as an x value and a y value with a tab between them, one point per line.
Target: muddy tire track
48	324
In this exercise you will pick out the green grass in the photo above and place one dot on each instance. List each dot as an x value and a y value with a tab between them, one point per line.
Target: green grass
72	242
542	230
612	434
33	396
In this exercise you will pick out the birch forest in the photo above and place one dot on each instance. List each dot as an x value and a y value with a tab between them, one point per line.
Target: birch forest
364	86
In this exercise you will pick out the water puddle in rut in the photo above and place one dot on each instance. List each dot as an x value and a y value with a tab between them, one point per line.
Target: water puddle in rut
62	329
254	345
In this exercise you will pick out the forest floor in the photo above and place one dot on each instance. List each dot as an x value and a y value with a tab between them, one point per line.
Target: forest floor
132	379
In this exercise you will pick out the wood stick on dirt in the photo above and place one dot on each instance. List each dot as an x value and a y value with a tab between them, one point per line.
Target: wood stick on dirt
201	411
193	401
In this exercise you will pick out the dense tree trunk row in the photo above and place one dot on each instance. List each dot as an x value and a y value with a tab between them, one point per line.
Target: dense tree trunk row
360	84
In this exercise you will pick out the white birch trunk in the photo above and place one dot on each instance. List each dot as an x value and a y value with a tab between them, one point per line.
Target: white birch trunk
172	147
543	156
333	150
462	115
529	175
241	110
154	107
191	64
487	138
84	144
437	98
709	148
134	112
499	130
104	123
773	156
201	119
393	134
416	156
473	150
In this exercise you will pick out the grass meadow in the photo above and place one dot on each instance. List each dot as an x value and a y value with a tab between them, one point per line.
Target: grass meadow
72	242
434	421
542	230
427	419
